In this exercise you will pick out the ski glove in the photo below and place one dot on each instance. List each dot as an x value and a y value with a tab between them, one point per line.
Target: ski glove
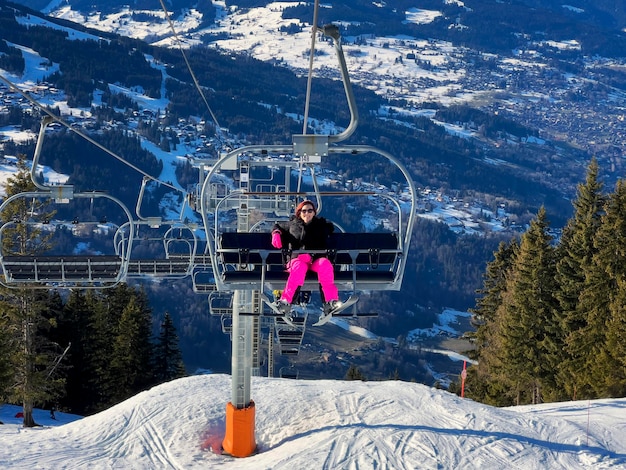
276	241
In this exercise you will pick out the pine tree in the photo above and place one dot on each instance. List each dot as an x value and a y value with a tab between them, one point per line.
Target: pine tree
494	284
6	352
601	297
168	358
57	342
487	378
613	357
125	364
102	328
116	299
575	256
529	328
74	329
32	354
354	373
145	343
132	366
25	235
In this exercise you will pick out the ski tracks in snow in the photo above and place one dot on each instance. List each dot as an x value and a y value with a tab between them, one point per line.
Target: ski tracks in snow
326	425
149	440
140	440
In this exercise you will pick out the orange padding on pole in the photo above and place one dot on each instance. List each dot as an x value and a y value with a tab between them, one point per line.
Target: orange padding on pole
239	439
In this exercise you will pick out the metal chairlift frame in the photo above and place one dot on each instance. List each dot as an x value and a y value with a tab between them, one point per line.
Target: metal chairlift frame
288	372
87	271
227	324
216	303
239	440
289	338
311	149
171	266
203	280
169	238
405	227
111	271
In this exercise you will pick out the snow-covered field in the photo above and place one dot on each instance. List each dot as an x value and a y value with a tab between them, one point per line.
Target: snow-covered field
253	31
321	425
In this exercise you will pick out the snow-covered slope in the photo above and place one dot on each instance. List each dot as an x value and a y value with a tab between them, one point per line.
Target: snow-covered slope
323	425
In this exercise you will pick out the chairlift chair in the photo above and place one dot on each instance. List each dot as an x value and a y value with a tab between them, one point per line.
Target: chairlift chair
245	263
78	267
162	249
289	372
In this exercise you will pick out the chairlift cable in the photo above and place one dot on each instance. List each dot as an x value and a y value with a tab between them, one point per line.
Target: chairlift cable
193	75
61	121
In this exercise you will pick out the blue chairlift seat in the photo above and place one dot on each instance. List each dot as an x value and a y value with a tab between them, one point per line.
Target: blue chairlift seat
363	261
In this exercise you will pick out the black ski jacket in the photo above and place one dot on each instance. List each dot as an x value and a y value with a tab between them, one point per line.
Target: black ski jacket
296	235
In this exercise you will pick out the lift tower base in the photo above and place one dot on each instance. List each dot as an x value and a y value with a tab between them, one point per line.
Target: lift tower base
239	439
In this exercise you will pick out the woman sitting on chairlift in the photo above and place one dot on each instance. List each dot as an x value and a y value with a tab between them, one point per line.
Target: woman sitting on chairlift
306	231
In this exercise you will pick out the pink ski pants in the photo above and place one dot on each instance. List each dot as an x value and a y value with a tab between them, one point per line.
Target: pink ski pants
298	267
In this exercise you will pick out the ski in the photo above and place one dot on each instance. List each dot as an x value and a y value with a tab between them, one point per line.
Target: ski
285	316
326	316
296	319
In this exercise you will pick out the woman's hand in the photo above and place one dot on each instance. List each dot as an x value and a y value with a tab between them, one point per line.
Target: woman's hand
276	240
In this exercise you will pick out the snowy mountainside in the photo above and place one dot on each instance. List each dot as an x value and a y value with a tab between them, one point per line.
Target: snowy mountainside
441	74
441	54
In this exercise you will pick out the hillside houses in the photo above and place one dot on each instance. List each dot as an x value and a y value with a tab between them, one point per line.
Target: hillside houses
194	143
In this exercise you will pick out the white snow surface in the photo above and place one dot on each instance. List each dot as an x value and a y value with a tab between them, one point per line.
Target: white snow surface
321	425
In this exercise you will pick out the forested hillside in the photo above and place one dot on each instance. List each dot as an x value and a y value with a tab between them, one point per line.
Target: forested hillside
239	90
80	351
444	269
551	313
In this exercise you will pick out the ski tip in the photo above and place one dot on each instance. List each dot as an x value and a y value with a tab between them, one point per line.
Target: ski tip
323	320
